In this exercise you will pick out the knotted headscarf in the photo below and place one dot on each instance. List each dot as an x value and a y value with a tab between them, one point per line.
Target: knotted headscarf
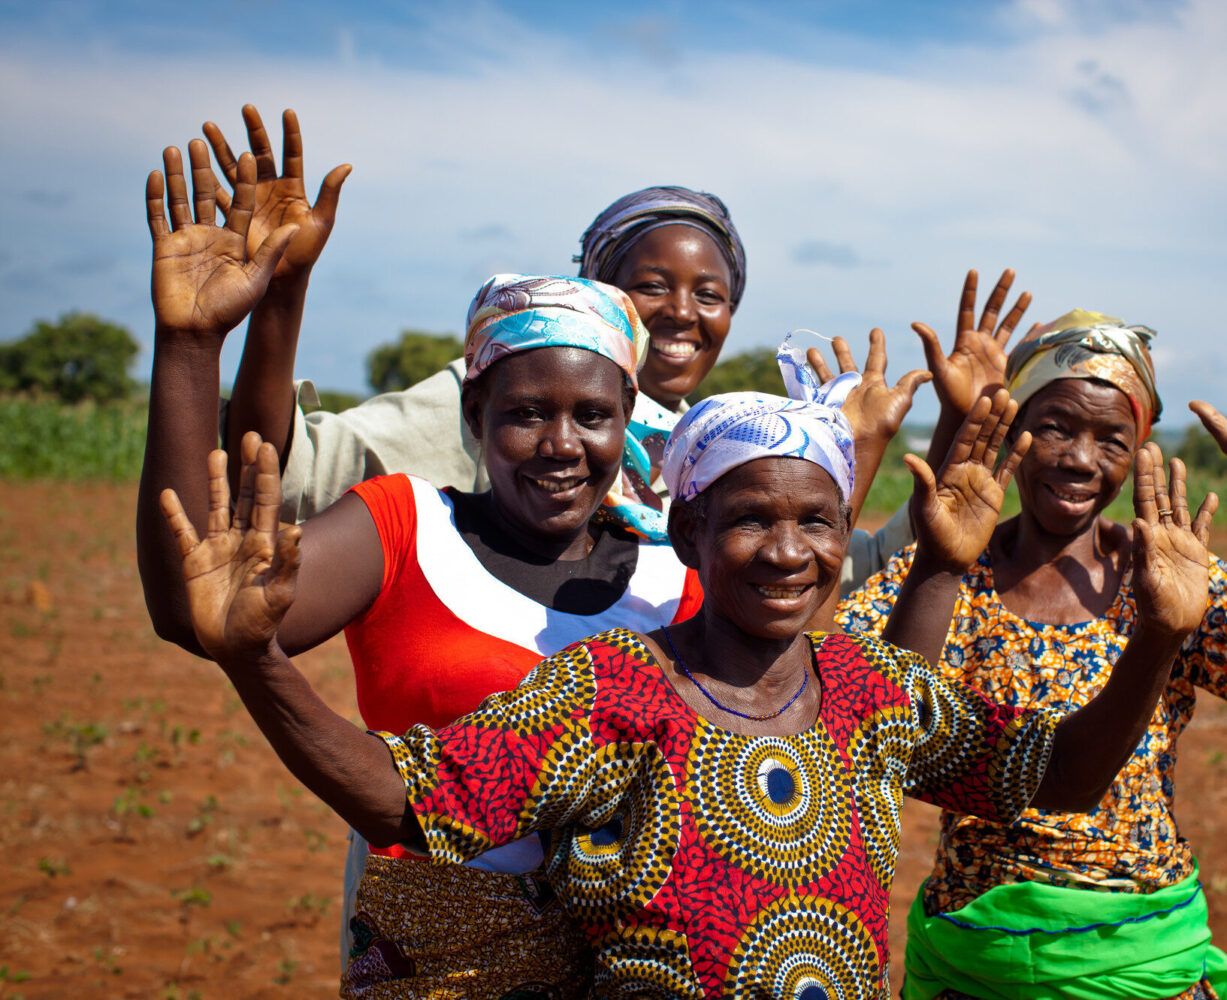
728	430
1084	344
620	226
520	312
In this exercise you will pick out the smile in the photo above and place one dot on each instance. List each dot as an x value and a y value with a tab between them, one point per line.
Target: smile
779	593
1071	496
680	349
558	485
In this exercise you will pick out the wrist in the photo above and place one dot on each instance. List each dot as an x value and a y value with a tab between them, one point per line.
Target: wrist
248	662
288	290
930	565
1157	639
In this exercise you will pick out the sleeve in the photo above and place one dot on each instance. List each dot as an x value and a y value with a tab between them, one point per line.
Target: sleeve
866	610
420	430
527	760
869	553
392	506
1203	658
972	755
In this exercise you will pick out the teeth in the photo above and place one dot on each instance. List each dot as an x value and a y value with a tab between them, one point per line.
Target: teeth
557	485
782	593
675	348
1071	497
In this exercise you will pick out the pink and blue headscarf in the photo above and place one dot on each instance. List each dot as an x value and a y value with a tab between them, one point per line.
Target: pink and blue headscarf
728	430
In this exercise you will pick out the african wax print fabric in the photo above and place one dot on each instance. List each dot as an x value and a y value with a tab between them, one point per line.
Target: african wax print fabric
705	863
733	428
1090	345
521	312
621	225
1130	841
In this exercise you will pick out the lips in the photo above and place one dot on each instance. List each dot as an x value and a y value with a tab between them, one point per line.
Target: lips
780	592
679	351
558	486
1072	496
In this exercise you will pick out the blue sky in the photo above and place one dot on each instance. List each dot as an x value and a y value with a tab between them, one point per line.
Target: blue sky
869	152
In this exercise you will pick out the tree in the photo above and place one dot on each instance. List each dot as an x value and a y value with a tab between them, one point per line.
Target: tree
756	369
79	357
417	355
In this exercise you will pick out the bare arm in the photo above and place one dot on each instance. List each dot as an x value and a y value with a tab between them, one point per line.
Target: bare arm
1171	584
263	395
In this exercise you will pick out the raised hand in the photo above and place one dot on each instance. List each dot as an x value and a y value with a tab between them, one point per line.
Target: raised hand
874	409
976	366
240	577
281	200
955	512
1213	421
1170	560
204	279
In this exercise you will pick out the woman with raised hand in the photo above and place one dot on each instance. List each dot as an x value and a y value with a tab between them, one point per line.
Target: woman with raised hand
721	796
1058	904
447	596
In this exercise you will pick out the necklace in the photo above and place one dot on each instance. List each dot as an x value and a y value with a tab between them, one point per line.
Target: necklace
724	708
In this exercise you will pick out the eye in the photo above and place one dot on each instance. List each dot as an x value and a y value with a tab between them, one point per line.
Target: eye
594	417
525	414
651	288
709	296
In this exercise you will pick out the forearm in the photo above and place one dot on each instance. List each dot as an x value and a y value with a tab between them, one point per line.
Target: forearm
181	432
920	619
347	768
1092	744
868	460
263	395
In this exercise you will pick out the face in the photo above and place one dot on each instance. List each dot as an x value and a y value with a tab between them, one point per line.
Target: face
769	545
1083	439
679	281
552	423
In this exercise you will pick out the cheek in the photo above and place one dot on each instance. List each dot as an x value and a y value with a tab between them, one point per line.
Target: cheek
716	324
646	306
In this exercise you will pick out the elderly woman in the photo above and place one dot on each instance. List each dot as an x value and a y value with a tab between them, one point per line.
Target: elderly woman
1057	904
721	797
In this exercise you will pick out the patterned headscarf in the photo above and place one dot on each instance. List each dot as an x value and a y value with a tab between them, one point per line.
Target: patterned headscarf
728	430
520	312
620	226
1085	344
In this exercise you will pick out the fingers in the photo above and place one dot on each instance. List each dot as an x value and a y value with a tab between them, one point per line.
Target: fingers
1212	421
176	188
264	261
1012	319
1205	514
923	481
1022	444
154	209
1177	494
325	208
177	521
969	434
996	299
843	355
291	145
932	346
875	360
244	203
819	364
287	557
204	184
967	304
1004	410
219	494
1144	501
261	148
266	508
912	381
221	152
222	197
249	450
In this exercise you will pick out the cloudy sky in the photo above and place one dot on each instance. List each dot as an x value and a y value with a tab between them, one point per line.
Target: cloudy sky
870	153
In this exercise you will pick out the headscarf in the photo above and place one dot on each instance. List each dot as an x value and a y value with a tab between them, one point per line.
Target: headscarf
728	430
620	226
1084	344
520	312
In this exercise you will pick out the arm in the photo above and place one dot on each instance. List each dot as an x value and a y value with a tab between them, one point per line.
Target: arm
1171	584
976	366
263	396
1213	421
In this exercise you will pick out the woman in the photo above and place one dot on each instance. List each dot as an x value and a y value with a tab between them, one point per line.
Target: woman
722	796
448	597
1041	617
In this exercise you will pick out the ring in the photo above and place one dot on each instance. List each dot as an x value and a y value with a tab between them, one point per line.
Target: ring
1166	512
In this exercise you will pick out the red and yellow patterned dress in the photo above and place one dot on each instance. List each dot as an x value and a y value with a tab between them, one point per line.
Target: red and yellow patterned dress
705	863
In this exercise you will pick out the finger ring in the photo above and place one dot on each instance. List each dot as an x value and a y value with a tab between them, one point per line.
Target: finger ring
1166	512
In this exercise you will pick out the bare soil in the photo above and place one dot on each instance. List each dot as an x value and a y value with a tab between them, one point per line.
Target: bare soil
152	844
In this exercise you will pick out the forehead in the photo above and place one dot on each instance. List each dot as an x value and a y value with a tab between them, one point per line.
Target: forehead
1087	401
677	246
783	483
554	372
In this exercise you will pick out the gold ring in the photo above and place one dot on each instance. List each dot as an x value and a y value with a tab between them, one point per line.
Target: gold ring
1166	512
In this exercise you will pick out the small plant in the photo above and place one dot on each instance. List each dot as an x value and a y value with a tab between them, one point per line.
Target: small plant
203	817
51	867
129	802
80	736
195	896
285	971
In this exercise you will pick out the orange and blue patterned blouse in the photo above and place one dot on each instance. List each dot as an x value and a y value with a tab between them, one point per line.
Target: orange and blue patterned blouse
705	863
1129	842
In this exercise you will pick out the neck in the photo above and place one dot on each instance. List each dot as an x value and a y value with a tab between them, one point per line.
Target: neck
1026	546
715	648
550	548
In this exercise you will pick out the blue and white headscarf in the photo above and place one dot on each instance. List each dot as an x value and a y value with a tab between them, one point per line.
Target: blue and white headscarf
728	430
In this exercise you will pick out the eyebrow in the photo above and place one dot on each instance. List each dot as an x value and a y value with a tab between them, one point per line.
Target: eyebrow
658	269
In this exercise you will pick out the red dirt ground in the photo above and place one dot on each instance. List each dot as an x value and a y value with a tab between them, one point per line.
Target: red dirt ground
153	845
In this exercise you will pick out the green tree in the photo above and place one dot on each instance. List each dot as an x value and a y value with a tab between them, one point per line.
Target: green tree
417	355
756	369
79	357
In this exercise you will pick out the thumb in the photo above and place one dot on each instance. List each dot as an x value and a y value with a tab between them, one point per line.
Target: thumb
912	381
264	261
325	208
923	481
934	358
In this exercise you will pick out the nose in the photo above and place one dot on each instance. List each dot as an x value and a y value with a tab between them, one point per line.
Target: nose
784	548
561	441
1080	453
680	307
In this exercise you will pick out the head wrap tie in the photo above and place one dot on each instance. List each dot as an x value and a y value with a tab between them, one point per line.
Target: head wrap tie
728	430
1088	345
620	226
519	312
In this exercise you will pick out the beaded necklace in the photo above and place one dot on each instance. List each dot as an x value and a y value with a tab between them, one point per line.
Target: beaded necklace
724	708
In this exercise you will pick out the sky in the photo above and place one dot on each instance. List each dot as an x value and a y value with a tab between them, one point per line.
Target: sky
869	152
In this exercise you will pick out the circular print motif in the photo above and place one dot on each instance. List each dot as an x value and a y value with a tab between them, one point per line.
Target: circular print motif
805	948
777	808
879	750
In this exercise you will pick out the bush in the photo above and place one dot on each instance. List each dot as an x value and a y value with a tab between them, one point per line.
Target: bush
80	357
416	356
47	439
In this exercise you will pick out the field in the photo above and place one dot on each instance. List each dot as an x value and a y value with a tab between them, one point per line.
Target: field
153	846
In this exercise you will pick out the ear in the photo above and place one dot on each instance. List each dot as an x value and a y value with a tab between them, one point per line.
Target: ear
472	406
683	532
